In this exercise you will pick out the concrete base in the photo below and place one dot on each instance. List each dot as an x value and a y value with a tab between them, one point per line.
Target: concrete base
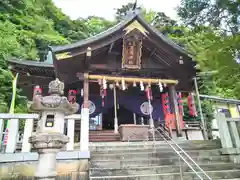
234	154
69	164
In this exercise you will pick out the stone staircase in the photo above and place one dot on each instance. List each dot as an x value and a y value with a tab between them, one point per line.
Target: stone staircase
103	136
157	161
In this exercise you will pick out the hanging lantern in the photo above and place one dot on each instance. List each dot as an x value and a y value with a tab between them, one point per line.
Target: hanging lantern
160	86
134	84
191	105
141	86
103	90
102	95
37	91
72	96
99	81
180	105
148	93
111	86
165	85
117	84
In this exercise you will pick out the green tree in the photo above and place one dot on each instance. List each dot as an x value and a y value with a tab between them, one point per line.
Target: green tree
216	46
221	14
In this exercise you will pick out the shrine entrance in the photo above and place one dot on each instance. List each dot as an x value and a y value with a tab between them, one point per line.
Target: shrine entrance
125	116
108	120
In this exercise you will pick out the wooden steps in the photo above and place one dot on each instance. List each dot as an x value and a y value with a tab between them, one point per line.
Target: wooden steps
103	136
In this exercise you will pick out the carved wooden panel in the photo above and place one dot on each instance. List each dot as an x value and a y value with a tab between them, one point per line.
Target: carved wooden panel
132	50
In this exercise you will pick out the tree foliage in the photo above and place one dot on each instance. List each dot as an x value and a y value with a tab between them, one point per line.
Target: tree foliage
213	35
27	27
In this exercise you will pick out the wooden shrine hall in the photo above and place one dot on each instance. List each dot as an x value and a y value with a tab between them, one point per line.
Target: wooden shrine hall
125	78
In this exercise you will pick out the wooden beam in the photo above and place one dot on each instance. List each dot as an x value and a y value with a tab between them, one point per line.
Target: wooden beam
133	79
110	48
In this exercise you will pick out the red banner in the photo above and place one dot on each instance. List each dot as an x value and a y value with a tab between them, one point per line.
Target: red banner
169	117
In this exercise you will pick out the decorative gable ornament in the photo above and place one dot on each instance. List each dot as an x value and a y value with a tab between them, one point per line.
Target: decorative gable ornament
132	50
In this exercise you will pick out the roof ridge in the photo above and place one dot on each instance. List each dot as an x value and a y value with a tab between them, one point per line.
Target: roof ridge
95	37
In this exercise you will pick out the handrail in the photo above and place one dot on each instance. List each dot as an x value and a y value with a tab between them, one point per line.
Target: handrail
33	116
179	153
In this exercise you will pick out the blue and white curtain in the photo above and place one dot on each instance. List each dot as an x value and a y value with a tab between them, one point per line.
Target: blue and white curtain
136	103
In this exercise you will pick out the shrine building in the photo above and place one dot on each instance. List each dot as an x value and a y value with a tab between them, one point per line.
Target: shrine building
130	74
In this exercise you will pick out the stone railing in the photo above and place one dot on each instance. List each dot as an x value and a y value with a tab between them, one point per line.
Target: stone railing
13	130
228	131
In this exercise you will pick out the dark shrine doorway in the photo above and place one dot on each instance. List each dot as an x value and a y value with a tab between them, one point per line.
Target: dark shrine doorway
124	117
108	119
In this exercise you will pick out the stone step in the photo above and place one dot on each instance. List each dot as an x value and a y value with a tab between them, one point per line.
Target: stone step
223	174
121	146
161	169
102	131
147	148
150	154
103	136
104	139
146	161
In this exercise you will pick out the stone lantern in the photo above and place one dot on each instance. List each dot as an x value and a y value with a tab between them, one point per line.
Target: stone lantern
49	138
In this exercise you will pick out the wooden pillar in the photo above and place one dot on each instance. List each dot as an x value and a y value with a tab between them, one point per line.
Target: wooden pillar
84	137
174	108
115	109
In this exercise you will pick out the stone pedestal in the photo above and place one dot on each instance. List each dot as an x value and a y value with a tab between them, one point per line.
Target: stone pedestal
48	145
49	138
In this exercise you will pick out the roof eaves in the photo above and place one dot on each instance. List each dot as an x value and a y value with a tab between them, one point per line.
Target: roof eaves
97	37
31	63
219	99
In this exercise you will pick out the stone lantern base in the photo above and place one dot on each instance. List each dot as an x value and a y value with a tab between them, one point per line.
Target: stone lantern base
47	145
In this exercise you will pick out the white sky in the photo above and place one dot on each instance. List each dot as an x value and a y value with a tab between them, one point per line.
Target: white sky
105	8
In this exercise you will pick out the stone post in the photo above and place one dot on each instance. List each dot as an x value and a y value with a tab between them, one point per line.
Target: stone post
224	131
49	138
28	129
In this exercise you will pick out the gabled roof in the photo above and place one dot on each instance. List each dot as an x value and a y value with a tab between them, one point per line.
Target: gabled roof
120	26
34	68
31	63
